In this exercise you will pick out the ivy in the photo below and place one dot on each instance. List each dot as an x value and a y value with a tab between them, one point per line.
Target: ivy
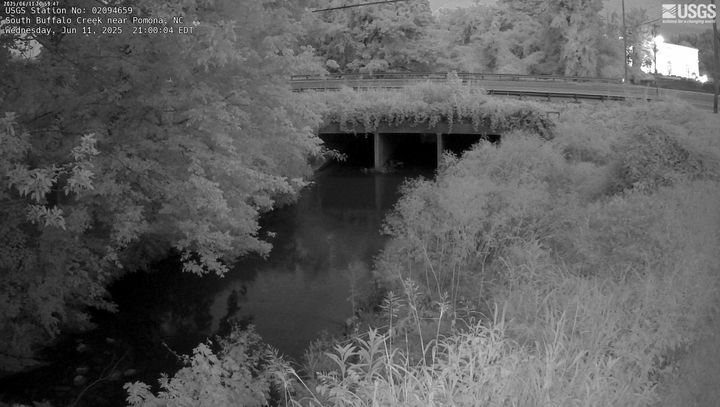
429	104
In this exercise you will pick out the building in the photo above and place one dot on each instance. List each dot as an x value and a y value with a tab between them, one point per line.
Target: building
674	60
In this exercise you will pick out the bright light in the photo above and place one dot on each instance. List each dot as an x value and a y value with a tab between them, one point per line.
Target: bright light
702	79
659	39
673	60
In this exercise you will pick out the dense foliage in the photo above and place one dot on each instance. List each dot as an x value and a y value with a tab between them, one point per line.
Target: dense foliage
387	37
429	104
574	38
243	371
597	246
593	241
538	37
538	272
121	148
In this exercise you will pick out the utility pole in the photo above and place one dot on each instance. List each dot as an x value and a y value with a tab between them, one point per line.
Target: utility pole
624	33
716	76
655	48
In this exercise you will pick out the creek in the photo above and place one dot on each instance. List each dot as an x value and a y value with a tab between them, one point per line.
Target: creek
320	265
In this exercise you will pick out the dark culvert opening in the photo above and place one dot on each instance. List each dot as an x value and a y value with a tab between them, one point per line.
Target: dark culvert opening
459	143
357	148
413	150
399	150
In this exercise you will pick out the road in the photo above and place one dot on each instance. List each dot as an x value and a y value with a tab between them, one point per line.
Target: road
530	86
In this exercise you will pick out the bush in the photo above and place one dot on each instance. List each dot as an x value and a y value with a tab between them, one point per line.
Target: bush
243	372
451	228
600	283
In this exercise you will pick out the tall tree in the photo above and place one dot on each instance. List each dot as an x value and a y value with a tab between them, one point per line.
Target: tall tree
122	147
704	43
639	40
490	39
531	37
385	37
574	27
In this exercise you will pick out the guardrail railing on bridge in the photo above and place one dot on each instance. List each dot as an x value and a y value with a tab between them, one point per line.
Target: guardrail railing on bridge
544	86
534	86
442	76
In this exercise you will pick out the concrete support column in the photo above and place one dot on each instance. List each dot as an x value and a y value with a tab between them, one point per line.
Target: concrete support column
440	148
382	151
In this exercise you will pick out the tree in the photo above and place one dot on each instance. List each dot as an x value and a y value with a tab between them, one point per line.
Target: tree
490	39
573	28
386	37
704	43
639	35
535	37
128	146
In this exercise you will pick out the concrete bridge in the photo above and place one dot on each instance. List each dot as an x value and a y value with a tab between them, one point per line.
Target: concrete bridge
386	139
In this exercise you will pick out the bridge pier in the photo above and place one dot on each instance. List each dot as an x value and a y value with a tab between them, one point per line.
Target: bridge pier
440	143
379	151
383	150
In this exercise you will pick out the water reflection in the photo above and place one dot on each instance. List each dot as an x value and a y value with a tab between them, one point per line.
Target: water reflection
322	256
323	249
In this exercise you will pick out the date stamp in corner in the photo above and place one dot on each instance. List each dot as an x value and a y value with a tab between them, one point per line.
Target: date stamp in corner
37	17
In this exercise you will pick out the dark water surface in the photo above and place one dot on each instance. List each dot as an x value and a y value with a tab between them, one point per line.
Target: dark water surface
322	257
323	247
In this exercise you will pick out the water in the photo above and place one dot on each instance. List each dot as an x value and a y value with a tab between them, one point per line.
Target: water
323	247
321	260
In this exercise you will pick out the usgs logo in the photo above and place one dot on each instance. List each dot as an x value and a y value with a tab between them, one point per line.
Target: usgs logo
689	13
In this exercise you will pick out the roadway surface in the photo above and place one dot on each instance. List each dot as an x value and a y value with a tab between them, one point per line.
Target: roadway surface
548	88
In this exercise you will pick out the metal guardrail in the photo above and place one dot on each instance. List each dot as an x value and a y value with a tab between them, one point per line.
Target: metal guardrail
518	93
532	86
544	86
464	76
556	95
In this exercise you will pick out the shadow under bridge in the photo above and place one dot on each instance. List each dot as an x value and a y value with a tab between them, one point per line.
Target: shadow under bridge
405	144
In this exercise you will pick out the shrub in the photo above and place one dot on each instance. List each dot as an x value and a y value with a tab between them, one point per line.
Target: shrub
243	372
447	229
562	337
597	292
